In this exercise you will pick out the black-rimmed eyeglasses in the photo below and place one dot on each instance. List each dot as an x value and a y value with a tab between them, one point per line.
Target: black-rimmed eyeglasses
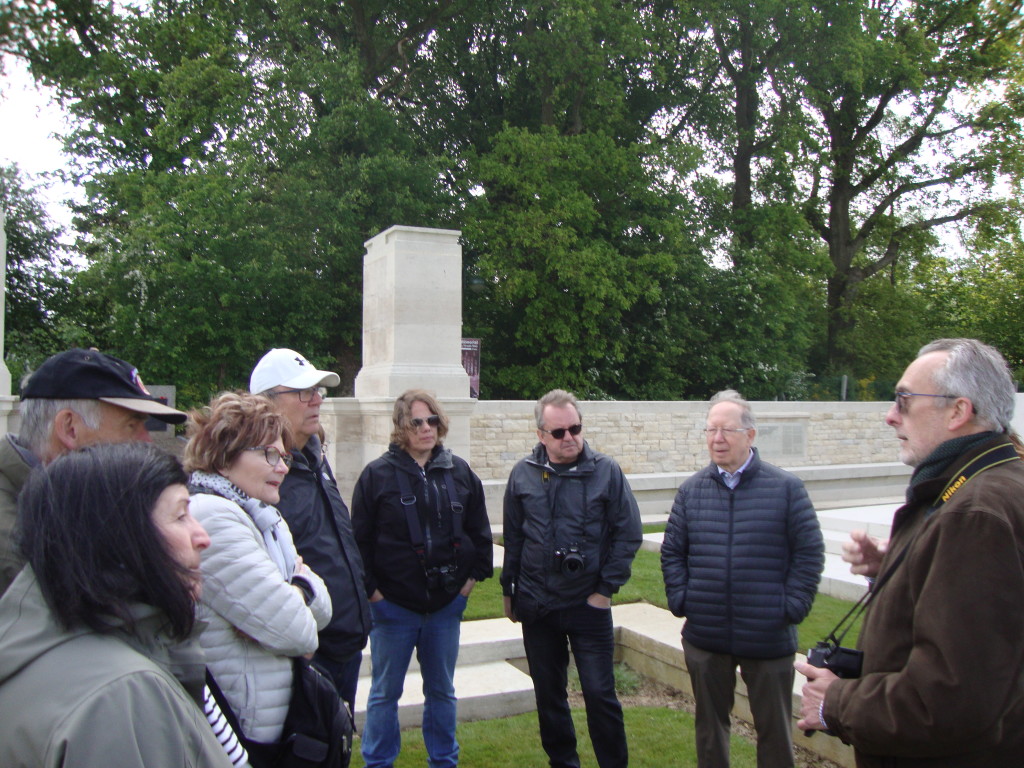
900	398
273	454
559	433
305	395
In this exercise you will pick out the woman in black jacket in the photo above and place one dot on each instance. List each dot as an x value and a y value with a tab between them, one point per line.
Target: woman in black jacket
421	524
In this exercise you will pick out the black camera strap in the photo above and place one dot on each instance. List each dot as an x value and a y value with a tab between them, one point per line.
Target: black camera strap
412	517
993	457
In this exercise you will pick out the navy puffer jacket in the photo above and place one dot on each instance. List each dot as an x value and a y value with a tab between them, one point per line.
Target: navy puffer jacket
742	565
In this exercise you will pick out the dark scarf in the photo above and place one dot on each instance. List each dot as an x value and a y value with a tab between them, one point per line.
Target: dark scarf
940	459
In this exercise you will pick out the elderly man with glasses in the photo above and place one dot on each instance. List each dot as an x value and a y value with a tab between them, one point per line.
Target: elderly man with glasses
312	506
942	677
572	529
742	558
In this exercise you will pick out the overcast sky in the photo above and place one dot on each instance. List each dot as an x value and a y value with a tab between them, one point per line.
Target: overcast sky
28	120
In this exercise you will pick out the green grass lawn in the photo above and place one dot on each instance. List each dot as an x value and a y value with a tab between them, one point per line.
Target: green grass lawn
658	737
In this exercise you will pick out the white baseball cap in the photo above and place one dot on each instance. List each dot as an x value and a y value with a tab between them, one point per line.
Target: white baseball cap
287	368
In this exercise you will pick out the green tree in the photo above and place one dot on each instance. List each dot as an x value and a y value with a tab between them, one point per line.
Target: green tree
233	173
36	272
982	292
916	117
874	123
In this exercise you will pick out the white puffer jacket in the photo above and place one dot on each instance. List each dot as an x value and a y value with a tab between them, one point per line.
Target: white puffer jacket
256	621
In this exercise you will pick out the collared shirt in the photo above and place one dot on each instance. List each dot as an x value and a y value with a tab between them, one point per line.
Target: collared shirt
732	479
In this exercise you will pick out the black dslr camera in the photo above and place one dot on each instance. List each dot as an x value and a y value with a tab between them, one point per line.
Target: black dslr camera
443	577
569	560
842	662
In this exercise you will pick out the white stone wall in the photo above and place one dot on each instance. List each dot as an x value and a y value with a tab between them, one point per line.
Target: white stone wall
655	437
644	437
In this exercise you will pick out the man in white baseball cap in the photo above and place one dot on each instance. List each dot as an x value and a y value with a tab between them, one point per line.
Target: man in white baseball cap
312	506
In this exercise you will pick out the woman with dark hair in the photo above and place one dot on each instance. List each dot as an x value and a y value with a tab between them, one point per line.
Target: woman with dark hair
98	666
421	524
262	605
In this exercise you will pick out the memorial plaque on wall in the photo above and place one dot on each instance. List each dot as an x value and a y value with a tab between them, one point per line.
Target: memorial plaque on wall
471	362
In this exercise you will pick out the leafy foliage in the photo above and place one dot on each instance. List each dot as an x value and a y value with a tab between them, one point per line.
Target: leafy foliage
657	200
35	279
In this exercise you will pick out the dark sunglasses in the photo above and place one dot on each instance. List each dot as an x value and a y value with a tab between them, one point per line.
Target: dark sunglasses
559	433
431	420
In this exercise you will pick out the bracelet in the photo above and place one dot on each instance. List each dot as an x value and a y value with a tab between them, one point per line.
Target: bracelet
821	715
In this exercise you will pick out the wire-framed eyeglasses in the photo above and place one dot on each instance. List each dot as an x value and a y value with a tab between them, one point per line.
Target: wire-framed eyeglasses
726	431
273	454
900	398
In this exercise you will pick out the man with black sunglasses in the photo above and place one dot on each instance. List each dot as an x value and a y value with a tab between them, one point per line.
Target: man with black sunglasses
312	506
572	529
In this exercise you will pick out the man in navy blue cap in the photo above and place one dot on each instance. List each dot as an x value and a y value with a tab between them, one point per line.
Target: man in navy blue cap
75	398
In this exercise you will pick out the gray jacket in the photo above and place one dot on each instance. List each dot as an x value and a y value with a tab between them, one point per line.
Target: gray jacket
590	507
15	466
79	699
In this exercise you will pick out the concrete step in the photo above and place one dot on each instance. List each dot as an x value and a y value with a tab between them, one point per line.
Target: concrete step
486	684
876	519
485	691
480	642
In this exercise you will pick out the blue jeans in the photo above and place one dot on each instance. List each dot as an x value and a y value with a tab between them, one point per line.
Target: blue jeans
435	636
589	632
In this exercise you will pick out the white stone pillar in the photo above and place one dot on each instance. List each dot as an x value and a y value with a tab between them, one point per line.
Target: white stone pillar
412	331
412	314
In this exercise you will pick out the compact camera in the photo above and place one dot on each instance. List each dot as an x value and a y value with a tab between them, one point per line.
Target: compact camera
842	662
443	577
569	560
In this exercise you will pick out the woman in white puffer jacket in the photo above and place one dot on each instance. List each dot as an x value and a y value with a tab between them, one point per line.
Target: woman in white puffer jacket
262	605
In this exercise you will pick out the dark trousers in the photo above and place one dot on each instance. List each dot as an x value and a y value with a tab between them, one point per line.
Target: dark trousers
770	693
344	674
588	631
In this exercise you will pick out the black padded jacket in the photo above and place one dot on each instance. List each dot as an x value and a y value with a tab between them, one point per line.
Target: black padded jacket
742	565
312	506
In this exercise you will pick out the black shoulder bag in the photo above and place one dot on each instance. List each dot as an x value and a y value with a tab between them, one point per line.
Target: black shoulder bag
318	728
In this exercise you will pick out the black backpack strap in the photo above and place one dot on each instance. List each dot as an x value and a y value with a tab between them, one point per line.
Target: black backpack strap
412	517
458	510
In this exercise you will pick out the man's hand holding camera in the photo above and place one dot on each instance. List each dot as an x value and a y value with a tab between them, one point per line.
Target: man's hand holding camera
813	692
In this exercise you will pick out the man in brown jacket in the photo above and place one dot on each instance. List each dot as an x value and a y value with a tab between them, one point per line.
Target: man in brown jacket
942	682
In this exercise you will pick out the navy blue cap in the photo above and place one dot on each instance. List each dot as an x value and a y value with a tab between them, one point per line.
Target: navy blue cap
88	374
